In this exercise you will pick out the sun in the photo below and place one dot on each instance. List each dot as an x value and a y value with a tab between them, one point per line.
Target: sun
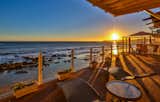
115	36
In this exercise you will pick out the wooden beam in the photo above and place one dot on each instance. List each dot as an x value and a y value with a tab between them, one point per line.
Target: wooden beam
145	19
117	3
117	7
157	16
154	22
128	3
137	8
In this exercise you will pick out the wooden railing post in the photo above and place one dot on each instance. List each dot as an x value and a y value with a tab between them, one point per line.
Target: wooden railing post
72	59
126	45
123	44
150	39
103	54
129	45
144	40
91	57
40	68
118	50
111	50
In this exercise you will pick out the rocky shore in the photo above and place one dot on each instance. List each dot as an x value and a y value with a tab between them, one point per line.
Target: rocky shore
30	61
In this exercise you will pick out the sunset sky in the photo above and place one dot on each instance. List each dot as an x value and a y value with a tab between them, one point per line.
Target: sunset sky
62	20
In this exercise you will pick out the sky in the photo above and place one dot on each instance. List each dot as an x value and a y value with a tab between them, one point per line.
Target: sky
62	20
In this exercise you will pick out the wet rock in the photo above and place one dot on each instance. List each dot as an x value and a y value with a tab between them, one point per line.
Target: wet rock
56	62
21	72
59	58
54	55
16	56
69	55
50	60
64	55
46	64
86	59
67	61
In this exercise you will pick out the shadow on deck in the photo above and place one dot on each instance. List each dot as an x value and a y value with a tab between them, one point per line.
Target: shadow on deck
96	80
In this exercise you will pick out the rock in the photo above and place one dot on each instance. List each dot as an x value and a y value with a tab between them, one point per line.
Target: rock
50	60
54	55
59	58
21	72
86	59
56	62
69	55
67	61
63	55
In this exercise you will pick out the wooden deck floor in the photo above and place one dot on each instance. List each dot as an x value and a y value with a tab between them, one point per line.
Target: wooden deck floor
130	64
139	65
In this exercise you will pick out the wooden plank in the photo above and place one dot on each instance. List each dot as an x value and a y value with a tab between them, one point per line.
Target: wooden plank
134	9
25	91
118	3
113	63
128	3
134	5
94	74
147	69
117	7
147	59
157	16
142	65
150	86
125	68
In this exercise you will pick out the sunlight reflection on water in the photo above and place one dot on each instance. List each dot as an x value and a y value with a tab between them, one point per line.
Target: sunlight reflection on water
115	49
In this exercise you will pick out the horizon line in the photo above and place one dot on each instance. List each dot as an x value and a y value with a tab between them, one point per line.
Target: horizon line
57	41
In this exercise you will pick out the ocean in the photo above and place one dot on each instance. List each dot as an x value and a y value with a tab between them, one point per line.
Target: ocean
57	52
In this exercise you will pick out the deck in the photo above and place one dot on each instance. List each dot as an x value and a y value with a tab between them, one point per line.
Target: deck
129	64
142	64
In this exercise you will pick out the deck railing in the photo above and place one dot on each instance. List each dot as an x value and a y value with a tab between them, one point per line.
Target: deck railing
101	52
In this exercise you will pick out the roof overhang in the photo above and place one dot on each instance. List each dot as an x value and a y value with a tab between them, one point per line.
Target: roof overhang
141	34
122	7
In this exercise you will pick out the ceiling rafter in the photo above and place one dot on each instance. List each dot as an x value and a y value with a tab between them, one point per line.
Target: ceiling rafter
121	7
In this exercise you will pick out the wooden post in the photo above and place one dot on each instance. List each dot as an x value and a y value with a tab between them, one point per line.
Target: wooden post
91	57
72	59
40	66
144	40
126	44
150	39
123	44
103	54
117	47
129	45
111	50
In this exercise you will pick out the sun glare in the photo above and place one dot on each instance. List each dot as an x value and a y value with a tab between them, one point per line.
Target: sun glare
115	36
